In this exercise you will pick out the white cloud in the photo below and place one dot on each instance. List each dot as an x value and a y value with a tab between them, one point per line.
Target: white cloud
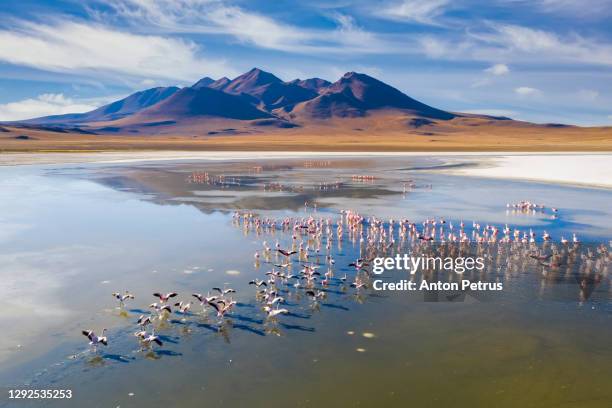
71	46
498	69
217	18
573	8
43	105
526	91
256	29
519	44
610	117
424	12
531	44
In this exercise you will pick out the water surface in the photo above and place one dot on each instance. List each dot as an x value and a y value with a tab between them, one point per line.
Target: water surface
71	235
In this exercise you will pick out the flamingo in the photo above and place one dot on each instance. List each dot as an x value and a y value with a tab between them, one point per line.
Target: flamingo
164	298
94	339
272	313
122	298
148	339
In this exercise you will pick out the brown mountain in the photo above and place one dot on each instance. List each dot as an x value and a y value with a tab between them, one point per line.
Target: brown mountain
355	94
204	82
258	111
258	101
116	110
220	83
193	102
269	91
315	84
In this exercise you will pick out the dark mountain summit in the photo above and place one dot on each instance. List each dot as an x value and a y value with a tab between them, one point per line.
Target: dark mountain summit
314	84
220	83
270	91
250	81
204	82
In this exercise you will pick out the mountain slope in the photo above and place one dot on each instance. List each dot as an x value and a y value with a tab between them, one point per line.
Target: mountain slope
190	103
355	94
115	110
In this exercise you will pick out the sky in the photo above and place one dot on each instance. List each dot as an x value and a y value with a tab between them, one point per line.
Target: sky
546	61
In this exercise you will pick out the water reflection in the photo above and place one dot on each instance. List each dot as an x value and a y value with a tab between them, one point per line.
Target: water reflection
144	226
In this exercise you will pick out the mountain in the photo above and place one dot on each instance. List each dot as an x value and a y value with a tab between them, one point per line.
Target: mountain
269	90
355	94
314	84
115	110
220	83
204	82
193	102
254	100
259	111
251	80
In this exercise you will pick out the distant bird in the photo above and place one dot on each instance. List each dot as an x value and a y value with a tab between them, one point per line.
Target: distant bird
315	294
285	265
258	282
358	284
222	307
143	320
148	339
274	312
166	297
122	297
224	291
540	257
183	307
286	253
276	299
553	264
160	308
204	299
94	339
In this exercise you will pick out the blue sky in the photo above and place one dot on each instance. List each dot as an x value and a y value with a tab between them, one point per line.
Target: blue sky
537	60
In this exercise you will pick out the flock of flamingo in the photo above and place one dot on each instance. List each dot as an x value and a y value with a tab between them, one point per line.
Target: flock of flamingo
310	244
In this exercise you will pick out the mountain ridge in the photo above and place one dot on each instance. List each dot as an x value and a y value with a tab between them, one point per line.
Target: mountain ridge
258	100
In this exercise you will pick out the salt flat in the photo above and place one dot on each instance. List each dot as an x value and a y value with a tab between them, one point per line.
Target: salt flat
577	168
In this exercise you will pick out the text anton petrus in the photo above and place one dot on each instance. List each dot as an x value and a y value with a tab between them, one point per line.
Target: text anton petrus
413	264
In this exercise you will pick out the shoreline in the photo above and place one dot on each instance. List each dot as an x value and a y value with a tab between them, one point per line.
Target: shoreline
583	170
579	168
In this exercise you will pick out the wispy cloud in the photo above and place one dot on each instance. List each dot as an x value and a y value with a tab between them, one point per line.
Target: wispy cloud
73	46
524	42
515	43
526	91
247	27
575	8
43	105
424	12
498	69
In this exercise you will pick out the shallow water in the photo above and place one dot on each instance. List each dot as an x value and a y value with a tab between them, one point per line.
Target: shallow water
72	235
